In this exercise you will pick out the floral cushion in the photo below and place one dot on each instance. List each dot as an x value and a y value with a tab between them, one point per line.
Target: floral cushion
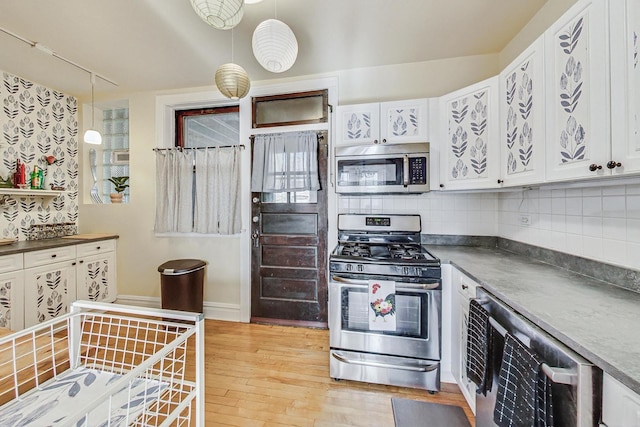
57	400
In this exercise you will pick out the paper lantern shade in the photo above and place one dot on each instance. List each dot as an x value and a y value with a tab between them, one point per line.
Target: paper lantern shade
232	81
220	14
274	45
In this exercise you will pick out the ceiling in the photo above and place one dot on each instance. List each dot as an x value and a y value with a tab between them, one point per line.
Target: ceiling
146	45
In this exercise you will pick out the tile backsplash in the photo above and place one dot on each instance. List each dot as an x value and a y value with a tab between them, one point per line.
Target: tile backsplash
441	213
36	122
599	223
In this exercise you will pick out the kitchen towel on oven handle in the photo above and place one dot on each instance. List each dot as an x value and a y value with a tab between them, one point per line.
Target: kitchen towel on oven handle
479	345
382	303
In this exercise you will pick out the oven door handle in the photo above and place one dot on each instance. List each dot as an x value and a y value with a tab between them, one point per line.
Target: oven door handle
405	168
404	367
404	286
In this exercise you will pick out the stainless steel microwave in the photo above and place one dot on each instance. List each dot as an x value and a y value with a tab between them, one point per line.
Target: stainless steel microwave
382	169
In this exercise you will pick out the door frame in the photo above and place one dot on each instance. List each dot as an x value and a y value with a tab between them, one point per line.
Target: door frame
330	83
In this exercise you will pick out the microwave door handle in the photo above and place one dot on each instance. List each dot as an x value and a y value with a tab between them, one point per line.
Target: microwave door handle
405	168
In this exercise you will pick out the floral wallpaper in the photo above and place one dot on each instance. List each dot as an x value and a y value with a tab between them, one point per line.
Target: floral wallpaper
37	122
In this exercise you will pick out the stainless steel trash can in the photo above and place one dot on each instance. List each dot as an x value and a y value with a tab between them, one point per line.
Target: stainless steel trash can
182	282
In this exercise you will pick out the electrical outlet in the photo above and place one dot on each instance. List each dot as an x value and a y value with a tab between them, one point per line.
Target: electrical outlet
525	220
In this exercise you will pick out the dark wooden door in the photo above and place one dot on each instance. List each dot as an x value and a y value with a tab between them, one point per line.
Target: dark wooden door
289	255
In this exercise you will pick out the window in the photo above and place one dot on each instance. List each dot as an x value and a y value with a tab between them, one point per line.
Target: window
290	109
208	127
115	149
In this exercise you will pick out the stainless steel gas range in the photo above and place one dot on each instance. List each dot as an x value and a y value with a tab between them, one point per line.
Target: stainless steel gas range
374	250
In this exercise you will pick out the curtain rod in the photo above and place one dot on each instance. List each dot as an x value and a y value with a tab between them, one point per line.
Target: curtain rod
320	134
199	148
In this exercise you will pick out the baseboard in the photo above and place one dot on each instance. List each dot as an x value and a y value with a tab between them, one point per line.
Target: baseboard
212	310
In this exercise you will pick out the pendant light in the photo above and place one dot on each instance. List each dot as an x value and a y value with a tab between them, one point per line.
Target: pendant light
92	136
274	45
220	14
231	79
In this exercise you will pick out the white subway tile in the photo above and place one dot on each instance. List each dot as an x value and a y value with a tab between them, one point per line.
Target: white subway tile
632	189
614	190
592	192
558	223
633	260
545	205
558	193
575	244
593	248
614	207
558	206
614	251
574	192
633	206
592	226
615	228
633	230
574	206
592	206
573	224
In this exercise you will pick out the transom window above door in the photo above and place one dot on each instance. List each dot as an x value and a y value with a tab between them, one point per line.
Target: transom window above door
208	127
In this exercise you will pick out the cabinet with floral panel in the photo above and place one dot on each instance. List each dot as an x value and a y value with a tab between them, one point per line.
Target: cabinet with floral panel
11	292
624	27
383	123
50	283
577	101
96	271
470	157
522	126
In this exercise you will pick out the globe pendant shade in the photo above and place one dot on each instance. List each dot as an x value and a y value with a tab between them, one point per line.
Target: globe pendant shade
220	14
92	137
274	45
232	81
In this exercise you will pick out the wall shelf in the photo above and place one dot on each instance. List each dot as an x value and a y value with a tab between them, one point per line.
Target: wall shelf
45	195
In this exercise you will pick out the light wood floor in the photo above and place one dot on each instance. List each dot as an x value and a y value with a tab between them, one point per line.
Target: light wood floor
263	375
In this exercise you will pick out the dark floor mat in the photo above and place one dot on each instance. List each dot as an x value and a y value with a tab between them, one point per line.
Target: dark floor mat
413	413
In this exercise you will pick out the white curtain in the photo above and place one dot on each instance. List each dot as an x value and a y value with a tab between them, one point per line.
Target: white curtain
285	162
174	191
217	203
207	201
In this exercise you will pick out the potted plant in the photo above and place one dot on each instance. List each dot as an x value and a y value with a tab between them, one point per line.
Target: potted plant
119	185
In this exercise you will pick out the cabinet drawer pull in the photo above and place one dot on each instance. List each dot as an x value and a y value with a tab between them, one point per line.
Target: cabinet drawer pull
98	248
465	287
54	255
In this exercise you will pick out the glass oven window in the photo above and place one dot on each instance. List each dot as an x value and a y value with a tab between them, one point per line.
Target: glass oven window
411	313
369	172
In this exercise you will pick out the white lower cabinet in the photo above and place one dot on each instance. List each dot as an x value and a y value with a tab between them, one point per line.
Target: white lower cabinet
40	285
11	292
49	289
464	290
620	405
96	271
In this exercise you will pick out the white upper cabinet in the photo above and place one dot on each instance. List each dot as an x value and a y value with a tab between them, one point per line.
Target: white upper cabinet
383	123
577	101
625	86
522	124
469	157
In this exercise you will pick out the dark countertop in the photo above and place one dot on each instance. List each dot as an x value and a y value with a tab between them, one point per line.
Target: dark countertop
37	245
598	320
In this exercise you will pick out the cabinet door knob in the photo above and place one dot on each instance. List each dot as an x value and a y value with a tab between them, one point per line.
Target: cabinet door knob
384	140
465	287
441	185
97	248
375	141
500	181
613	164
53	256
593	167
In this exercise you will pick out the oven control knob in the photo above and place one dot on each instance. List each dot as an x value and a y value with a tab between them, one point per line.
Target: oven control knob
360	267
406	271
349	267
